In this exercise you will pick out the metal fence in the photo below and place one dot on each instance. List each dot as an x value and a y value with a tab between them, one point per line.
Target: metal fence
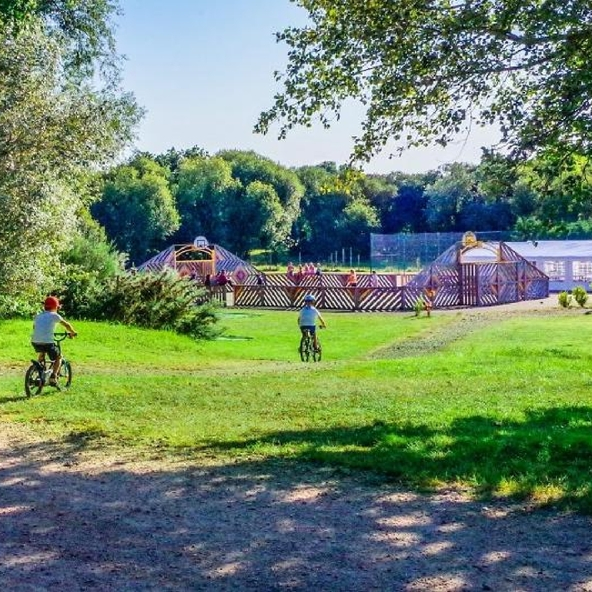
404	251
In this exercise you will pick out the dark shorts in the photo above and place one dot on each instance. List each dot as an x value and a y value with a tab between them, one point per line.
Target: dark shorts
310	328
51	349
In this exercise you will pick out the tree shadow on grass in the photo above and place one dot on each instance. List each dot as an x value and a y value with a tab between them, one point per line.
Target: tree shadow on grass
101	523
545	457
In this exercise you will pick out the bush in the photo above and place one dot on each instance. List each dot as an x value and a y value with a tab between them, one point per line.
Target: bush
580	295
87	266
419	306
564	299
156	301
18	307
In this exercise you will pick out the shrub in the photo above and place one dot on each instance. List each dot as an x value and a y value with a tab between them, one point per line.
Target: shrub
580	295
156	301
87	265
564	299
18	306
419	306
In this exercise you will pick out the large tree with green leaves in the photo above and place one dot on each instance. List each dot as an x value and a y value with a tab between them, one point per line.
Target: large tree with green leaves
58	120
273	204
237	199
336	212
137	208
205	188
427	70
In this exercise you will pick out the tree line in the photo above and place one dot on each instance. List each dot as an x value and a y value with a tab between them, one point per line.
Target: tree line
245	202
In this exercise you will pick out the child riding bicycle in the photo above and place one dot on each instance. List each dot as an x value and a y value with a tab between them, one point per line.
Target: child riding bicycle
42	339
307	319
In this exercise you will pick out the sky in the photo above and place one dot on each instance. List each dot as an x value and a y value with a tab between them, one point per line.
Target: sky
203	71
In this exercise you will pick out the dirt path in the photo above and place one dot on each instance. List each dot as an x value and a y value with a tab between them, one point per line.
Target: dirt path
91	521
75	521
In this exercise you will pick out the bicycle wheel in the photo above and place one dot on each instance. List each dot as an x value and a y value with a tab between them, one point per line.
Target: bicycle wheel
33	380
317	352
65	375
305	348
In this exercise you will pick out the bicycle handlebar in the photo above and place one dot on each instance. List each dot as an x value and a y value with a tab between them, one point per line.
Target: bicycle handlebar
61	336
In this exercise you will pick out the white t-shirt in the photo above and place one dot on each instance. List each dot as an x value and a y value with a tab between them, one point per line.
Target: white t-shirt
308	316
44	326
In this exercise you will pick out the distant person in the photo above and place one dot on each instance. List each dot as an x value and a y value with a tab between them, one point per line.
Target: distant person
319	273
208	280
373	280
430	295
260	279
352	279
290	270
307	319
222	279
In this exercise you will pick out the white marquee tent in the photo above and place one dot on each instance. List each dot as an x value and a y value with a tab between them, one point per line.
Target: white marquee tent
568	263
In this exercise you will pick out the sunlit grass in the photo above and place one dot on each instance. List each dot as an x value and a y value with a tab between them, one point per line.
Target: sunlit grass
505	410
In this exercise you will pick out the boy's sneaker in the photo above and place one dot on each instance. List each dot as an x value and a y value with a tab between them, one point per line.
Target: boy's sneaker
53	381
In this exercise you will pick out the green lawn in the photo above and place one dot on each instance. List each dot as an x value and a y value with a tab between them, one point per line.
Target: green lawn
504	410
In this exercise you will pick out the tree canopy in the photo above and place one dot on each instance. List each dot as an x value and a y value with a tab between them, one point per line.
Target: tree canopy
137	208
428	70
57	124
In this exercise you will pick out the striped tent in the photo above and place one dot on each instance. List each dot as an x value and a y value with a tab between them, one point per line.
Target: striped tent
198	259
479	273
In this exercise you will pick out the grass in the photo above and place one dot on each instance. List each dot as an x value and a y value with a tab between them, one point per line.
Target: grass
504	410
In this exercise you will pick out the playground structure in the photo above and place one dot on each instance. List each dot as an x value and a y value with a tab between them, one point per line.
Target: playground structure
200	259
468	273
405	250
479	273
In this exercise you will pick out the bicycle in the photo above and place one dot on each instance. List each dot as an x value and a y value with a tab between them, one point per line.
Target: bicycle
307	349
39	372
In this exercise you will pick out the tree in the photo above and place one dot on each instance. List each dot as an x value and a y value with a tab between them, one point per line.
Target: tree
406	211
137	208
83	25
281	198
337	211
359	219
54	125
447	197
238	199
259	210
204	191
563	184
427	70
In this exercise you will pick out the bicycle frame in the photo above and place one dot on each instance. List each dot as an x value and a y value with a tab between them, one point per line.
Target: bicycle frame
307	349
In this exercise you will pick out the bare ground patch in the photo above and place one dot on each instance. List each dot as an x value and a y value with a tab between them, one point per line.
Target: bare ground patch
79	520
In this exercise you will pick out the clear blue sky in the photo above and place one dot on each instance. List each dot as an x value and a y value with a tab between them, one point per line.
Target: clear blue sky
203	70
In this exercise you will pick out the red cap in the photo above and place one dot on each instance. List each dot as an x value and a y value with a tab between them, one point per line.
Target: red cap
51	303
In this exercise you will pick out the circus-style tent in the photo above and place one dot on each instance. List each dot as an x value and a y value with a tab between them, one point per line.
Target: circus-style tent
480	273
199	259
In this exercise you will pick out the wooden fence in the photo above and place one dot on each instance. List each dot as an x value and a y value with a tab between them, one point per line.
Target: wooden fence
466	285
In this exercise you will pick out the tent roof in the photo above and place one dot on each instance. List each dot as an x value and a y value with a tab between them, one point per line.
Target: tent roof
553	249
225	260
